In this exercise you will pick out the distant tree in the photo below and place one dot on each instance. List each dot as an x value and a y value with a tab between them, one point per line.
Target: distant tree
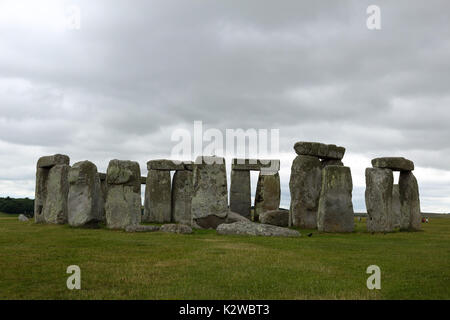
15	206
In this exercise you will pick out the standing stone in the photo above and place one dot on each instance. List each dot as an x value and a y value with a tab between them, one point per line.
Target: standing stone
304	185
396	210
268	193
40	194
209	205
85	200
379	199
409	201
55	208
158	203
335	212
182	197
240	192
123	200
43	166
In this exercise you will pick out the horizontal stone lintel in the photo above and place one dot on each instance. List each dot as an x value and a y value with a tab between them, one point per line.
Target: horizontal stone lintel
320	150
50	161
269	165
393	163
167	165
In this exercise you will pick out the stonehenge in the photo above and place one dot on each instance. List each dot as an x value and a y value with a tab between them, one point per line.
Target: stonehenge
392	206
197	195
305	182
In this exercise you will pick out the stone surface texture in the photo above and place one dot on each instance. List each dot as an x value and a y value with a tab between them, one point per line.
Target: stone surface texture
182	196
393	163
378	196
304	185
409	202
268	193
275	217
240	193
320	150
123	200
85	199
158	197
255	229
335	213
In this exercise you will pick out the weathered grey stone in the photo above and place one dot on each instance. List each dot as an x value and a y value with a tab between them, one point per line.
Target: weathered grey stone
255	229
57	185
240	197
182	197
409	201
396	210
176	228
304	185
270	166
331	162
123	200
85	199
143	180
50	161
164	164
378	196
275	217
22	218
320	150
40	194
393	163
268	193
141	228
235	217
158	198
209	206
335	212
58	201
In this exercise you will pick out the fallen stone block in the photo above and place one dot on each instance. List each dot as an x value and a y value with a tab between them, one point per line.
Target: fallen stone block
255	229
141	228
176	228
275	217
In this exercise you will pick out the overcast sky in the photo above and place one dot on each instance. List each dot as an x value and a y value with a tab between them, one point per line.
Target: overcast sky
136	71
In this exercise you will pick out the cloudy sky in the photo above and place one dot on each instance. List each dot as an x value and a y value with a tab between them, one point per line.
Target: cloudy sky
136	71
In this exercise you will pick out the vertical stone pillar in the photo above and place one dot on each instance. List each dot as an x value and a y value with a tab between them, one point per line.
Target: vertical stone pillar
52	189
268	193
158	202
304	185
182	196
209	206
335	213
396	208
240	192
409	201
85	200
123	200
378	197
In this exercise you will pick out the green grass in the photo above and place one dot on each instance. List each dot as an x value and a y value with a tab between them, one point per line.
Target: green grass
204	265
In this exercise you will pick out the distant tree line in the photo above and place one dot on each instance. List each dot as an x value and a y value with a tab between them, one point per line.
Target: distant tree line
22	205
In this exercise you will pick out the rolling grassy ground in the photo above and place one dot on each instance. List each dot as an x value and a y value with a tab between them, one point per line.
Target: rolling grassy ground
204	265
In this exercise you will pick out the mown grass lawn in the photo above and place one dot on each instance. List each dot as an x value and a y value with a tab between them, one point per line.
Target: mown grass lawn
204	265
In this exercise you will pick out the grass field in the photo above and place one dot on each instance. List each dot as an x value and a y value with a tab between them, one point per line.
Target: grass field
204	265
